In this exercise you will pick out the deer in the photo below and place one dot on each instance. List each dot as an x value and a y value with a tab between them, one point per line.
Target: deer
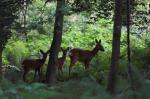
34	64
84	56
61	60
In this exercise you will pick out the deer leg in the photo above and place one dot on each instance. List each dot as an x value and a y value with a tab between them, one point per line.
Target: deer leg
72	63
61	71
24	74
87	67
39	73
58	71
86	64
35	74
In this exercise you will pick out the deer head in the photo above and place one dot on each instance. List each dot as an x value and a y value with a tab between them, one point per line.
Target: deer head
99	45
44	54
64	51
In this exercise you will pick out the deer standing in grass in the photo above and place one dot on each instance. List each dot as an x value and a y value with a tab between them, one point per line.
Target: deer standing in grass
34	64
84	56
62	59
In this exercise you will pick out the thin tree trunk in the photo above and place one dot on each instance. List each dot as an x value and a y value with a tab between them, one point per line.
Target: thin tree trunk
111	86
130	72
55	46
128	41
1	62
25	19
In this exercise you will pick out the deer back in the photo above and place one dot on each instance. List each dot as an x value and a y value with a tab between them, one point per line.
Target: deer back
62	59
35	63
86	55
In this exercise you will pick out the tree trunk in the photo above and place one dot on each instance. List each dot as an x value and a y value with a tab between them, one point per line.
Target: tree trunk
130	71
55	46
1	62
111	86
25	19
128	41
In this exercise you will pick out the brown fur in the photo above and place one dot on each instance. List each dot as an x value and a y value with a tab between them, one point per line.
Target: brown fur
34	64
62	59
84	56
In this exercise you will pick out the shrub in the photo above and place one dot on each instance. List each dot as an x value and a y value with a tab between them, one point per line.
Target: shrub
15	51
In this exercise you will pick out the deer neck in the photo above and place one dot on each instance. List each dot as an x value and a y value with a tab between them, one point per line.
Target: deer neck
64	56
43	60
94	51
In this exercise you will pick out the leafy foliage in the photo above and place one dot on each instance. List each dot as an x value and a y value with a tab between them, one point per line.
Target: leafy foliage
8	8
17	50
78	32
73	88
140	17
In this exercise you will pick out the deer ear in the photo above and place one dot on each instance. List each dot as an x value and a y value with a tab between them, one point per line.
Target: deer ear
96	40
48	51
99	41
41	51
61	49
68	48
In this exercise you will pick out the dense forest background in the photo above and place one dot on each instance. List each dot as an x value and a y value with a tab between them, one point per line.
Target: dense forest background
27	26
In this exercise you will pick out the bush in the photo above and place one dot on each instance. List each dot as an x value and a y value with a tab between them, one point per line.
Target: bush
15	52
84	88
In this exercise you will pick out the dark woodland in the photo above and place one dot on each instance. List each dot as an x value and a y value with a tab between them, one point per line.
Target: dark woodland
74	49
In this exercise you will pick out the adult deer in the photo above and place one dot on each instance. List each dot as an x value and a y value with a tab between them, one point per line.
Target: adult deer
34	64
62	59
84	56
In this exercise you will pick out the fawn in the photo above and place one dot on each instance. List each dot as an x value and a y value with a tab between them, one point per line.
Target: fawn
34	64
84	56
61	60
